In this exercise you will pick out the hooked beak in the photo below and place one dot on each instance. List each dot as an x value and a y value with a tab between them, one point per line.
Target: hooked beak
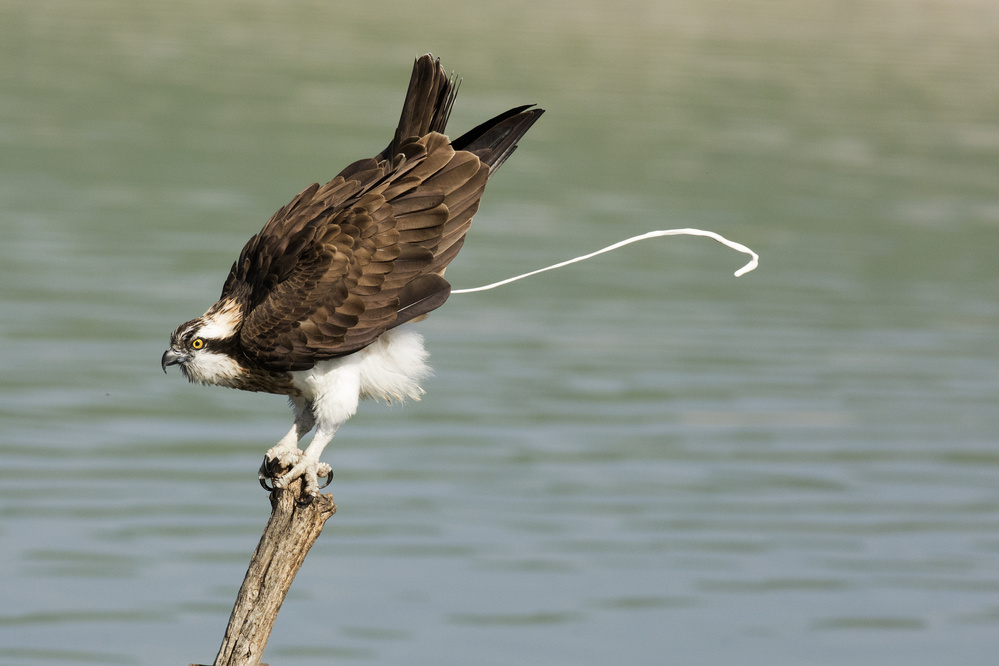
171	357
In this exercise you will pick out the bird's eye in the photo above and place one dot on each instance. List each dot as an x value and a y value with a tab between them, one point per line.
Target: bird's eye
197	343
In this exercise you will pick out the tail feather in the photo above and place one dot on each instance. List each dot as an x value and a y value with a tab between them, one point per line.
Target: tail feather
495	140
428	103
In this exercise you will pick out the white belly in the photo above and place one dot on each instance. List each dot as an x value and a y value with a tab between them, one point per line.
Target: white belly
389	369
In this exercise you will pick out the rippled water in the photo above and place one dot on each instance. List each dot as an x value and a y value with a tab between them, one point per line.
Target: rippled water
638	460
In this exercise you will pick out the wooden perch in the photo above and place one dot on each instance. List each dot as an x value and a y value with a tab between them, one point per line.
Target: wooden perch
290	533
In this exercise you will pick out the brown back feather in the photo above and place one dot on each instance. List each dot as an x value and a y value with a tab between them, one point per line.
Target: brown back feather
344	262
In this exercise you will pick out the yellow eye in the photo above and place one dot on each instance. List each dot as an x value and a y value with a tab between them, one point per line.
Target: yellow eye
197	343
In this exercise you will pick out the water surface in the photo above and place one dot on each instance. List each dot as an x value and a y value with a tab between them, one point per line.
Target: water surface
637	460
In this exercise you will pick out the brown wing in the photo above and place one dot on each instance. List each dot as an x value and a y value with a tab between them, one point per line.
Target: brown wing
345	262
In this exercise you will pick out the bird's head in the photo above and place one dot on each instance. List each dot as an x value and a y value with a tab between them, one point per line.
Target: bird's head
205	348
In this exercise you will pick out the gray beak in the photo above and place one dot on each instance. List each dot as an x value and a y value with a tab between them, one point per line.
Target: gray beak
170	357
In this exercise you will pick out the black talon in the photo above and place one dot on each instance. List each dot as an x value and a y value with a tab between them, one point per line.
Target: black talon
268	472
329	480
306	499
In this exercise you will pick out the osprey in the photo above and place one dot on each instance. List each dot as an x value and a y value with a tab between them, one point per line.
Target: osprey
312	308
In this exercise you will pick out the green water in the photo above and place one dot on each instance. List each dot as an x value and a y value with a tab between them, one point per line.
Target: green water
636	460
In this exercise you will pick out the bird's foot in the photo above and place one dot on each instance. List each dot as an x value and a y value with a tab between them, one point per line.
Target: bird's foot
282	466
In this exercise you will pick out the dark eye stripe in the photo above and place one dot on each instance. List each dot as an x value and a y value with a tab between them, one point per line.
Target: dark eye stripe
225	346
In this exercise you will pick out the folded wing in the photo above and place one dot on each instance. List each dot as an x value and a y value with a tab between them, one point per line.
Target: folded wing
344	262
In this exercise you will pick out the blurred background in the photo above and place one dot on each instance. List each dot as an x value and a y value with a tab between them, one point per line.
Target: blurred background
636	460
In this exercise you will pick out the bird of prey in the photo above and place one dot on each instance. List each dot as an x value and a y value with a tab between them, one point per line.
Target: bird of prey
312	308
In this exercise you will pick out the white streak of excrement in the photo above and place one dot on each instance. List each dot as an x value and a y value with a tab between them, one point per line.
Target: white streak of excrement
753	263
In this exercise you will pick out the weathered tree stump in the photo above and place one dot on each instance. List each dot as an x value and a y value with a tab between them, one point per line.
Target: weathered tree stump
290	533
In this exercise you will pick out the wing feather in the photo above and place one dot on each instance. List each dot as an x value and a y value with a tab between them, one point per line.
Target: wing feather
344	262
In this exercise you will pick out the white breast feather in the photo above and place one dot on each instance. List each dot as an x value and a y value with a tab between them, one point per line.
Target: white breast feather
389	369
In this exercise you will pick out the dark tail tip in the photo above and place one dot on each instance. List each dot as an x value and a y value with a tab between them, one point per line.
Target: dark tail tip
495	140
